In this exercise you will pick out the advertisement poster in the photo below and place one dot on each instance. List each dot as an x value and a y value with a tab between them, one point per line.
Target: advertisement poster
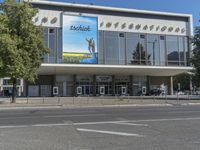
80	35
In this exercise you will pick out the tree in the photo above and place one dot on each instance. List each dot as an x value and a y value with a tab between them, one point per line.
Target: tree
139	55
196	54
21	43
184	81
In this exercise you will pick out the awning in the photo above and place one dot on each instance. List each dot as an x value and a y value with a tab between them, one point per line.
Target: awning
87	69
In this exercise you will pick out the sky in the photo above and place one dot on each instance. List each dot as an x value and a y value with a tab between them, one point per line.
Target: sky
177	6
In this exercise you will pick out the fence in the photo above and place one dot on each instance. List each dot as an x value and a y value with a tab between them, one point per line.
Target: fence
105	100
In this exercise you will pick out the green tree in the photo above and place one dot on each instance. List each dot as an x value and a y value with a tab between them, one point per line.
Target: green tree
21	42
196	54
184	81
140	56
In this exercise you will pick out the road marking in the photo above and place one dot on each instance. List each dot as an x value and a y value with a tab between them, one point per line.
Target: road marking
109	132
130	121
131	124
87	115
55	116
162	120
18	126
176	112
103	122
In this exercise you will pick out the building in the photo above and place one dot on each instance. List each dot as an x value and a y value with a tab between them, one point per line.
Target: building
6	86
98	50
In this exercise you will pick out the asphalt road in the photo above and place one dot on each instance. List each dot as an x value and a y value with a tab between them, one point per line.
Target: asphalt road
117	128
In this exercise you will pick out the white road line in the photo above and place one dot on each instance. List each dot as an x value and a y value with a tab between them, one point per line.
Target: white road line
103	122
130	121
163	120
87	115
109	132
131	124
18	126
176	112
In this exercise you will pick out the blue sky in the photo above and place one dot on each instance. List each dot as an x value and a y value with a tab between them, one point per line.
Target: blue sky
179	6
75	41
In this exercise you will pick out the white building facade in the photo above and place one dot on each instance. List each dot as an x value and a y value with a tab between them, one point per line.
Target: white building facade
108	51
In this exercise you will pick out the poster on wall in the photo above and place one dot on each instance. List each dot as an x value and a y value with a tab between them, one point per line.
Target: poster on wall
80	35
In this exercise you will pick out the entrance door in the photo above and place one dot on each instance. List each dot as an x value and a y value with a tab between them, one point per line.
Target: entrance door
107	89
121	88
85	90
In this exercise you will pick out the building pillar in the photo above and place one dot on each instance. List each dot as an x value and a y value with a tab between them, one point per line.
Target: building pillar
74	85
171	86
113	85
131	85
148	84
64	88
94	85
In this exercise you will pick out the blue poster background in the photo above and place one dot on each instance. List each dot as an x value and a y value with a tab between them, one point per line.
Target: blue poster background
80	39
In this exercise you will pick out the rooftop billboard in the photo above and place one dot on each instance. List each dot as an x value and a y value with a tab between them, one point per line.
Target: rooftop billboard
80	35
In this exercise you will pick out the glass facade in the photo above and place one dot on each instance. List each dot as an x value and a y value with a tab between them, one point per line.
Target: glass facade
120	48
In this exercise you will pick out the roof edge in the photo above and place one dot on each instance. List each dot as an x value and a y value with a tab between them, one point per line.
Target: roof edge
117	9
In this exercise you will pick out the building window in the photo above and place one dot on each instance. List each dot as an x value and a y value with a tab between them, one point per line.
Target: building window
153	50
162	37
111	48
142	36
162	51
181	51
9	82
172	50
132	39
52	31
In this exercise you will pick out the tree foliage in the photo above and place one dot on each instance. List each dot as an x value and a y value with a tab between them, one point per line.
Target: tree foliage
184	81
21	42
196	54
140	56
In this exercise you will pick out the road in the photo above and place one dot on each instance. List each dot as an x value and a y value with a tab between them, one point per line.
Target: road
106	128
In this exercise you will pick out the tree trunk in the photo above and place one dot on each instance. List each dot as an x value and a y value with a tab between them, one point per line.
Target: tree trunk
14	90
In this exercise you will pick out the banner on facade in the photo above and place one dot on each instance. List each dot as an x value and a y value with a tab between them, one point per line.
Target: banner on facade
80	35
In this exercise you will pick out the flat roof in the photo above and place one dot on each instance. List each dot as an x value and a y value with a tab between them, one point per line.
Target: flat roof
116	9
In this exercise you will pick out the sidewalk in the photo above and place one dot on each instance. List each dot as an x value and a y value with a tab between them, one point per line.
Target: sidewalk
76	102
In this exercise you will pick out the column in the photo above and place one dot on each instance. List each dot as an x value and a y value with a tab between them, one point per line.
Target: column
74	85
148	84
64	88
113	85
94	85
171	86
131	85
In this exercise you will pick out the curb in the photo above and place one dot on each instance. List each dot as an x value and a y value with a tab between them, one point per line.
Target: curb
8	107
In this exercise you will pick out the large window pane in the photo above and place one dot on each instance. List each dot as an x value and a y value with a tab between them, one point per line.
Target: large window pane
122	46
52	45
162	51
100	48
132	41
60	45
187	50
111	48
153	51
46	39
181	51
172	50
142	49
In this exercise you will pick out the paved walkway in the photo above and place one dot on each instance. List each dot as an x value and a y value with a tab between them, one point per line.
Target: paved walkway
71	102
